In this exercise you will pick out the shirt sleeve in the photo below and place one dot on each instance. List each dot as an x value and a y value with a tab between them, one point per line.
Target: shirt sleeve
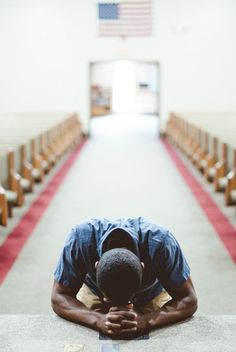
172	267
70	269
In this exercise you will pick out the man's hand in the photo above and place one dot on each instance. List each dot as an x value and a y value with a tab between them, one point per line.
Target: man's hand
123	322
118	321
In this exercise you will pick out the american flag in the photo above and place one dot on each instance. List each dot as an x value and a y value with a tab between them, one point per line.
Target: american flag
125	18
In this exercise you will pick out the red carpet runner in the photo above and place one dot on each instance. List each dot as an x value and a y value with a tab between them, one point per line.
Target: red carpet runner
221	224
15	241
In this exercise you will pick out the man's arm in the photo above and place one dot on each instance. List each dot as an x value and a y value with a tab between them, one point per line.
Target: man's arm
182	305
66	305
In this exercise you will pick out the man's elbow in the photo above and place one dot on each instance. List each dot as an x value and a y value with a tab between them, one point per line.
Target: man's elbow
55	303
193	305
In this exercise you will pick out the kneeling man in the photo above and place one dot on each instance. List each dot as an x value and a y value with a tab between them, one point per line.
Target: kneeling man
123	278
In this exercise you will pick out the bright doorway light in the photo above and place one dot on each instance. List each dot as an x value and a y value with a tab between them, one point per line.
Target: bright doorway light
124	87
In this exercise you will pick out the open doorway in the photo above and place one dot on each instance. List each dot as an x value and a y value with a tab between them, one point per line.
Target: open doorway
125	87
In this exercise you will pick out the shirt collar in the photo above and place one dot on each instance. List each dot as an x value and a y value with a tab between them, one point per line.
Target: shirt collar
133	235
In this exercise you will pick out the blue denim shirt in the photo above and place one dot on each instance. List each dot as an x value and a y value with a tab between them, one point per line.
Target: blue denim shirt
164	263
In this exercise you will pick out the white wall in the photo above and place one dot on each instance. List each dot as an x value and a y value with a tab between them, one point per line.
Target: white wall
46	47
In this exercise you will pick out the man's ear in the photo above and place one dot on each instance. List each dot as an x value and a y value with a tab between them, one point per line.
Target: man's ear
142	265
96	265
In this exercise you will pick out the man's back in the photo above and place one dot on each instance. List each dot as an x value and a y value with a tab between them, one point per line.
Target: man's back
156	247
132	261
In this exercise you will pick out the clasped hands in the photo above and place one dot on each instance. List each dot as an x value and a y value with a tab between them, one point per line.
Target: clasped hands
124	322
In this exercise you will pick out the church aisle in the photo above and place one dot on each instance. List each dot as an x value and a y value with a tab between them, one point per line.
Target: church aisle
123	171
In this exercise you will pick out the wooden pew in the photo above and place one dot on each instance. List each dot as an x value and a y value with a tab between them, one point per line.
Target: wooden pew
199	157
230	190
14	179
172	128
37	162
54	144
196	145
48	157
19	166
26	167
12	187
211	159
3	207
186	137
189	144
221	168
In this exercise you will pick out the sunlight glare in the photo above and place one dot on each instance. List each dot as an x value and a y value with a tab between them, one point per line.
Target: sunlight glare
124	87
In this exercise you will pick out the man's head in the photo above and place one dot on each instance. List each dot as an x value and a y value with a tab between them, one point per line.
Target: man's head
119	275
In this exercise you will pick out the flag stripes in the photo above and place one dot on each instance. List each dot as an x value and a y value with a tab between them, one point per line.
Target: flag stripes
129	18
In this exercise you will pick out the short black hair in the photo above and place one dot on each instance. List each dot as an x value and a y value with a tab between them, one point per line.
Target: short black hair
119	275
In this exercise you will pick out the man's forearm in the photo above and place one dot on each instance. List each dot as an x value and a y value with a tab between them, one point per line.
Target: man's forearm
172	312
71	309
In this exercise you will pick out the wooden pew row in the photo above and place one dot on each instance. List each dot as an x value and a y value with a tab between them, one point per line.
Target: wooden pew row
74	129
29	128
10	136
216	124
214	156
210	155
21	166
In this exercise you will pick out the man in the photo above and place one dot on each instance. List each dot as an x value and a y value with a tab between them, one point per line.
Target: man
123	278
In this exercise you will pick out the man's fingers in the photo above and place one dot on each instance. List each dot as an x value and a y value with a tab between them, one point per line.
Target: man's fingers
112	326
114	318
128	315
125	324
128	324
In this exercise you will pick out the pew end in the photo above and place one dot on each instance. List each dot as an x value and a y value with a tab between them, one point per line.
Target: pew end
3	207
37	162
230	191
221	168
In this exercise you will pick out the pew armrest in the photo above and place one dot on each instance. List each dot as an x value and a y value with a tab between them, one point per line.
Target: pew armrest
15	175
231	176
3	206
2	191
221	168
231	185
37	161
15	186
210	161
220	179
27	173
